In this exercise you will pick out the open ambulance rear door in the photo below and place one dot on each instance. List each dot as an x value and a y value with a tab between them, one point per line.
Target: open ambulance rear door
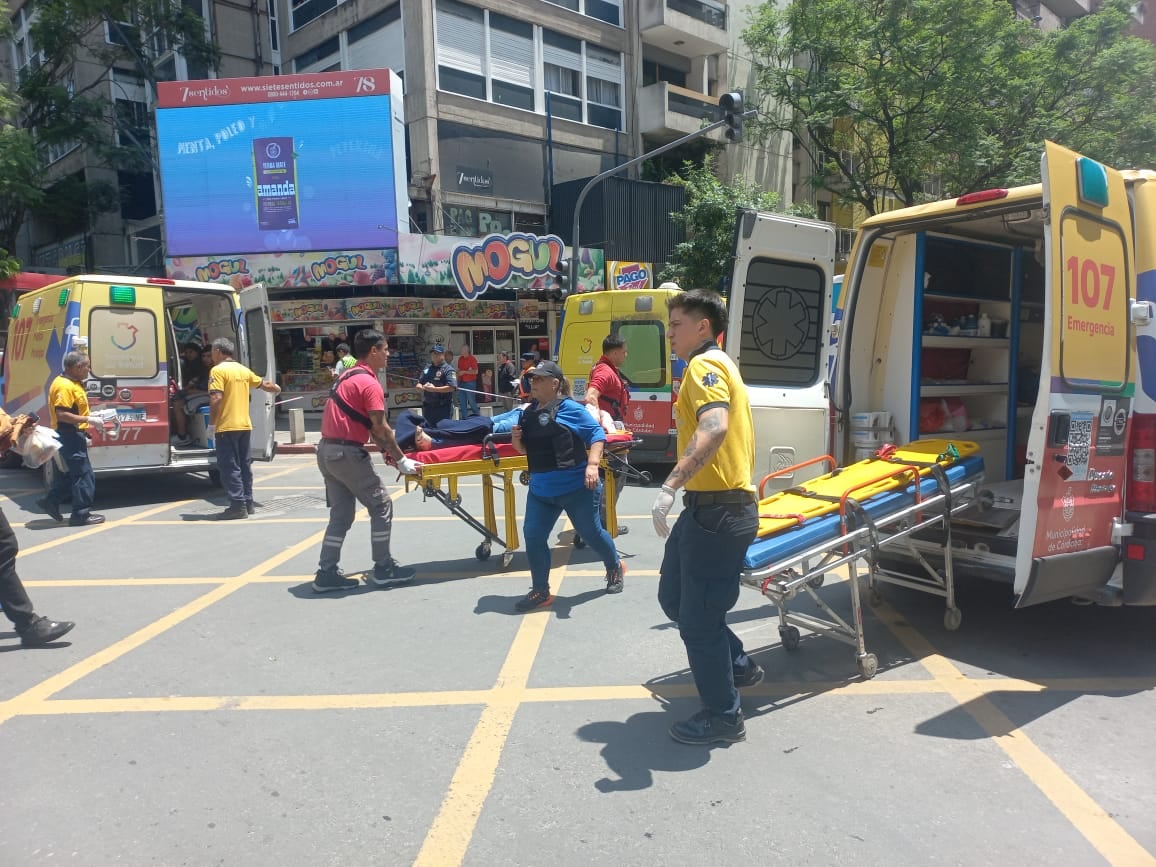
779	317
257	354
1074	479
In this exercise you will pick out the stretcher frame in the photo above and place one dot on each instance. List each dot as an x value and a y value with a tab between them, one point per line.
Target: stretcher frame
440	481
858	545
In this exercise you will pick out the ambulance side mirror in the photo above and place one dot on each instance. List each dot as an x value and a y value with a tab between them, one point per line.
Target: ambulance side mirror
1141	312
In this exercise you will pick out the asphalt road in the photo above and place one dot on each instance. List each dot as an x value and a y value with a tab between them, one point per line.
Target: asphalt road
210	709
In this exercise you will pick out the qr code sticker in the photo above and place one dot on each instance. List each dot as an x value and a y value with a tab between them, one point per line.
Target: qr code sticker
1079	444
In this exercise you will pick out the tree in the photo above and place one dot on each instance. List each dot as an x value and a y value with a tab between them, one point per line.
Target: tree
48	109
704	259
887	94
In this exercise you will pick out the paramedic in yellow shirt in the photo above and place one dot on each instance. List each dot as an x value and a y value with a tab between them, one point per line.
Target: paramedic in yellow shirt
699	578
68	407
229	384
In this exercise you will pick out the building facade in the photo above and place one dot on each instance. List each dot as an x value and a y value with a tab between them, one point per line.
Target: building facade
504	99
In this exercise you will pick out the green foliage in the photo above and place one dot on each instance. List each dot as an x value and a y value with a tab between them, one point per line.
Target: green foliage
704	259
886	94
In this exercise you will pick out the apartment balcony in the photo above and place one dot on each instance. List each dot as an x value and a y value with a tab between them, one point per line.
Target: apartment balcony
689	28
667	111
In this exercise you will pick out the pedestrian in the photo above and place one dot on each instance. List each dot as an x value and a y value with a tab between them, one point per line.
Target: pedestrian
699	577
467	383
438	382
68	408
229	384
563	446
529	359
33	630
345	359
507	376
609	391
354	413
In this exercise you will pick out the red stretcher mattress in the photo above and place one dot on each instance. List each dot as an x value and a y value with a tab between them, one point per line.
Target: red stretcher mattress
473	452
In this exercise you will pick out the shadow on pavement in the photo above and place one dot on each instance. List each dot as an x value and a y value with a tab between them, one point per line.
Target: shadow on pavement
639	746
561	607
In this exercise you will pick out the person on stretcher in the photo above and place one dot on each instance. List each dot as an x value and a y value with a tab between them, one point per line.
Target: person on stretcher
414	434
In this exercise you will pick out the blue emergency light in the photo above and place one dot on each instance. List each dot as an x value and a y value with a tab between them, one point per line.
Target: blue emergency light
1092	182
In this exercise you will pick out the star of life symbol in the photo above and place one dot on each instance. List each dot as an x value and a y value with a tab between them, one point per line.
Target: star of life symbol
781	323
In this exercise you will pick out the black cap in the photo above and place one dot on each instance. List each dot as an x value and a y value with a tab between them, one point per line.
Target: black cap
529	356
546	368
437	347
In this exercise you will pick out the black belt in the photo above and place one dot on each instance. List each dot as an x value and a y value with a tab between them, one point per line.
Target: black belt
331	441
690	499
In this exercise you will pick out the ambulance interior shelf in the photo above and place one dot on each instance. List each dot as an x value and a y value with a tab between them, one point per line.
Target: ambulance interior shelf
978	339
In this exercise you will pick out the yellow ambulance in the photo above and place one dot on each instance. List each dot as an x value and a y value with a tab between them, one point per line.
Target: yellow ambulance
132	328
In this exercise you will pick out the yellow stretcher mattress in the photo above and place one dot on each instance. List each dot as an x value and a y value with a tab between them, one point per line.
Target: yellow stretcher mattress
859	481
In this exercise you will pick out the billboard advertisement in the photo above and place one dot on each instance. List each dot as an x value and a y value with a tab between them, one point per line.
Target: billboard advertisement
283	164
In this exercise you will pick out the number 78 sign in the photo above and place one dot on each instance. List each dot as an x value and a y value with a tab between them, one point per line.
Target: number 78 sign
1093	296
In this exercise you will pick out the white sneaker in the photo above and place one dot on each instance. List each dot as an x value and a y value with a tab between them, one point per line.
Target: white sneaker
180	441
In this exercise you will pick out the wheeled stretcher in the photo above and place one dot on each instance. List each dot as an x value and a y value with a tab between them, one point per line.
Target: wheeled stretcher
498	463
846	518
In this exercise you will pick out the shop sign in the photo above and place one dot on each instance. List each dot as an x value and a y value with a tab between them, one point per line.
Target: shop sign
336	268
629	275
366	308
475	180
308	311
359	309
426	260
491	262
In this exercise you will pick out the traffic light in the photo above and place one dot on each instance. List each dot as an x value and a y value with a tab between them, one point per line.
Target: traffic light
732	106
564	276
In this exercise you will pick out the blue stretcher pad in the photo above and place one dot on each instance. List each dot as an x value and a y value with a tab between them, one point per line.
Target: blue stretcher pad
799	538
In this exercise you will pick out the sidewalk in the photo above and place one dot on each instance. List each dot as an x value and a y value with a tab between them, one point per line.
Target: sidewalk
312	435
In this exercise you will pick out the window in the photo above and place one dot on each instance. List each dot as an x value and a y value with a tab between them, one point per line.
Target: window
459	49
304	11
603	87
562	74
609	11
645	364
256	347
319	56
274	35
123	343
512	61
782	309
130	110
125	33
374	23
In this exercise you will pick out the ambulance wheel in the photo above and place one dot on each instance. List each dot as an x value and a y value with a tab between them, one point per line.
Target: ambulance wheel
215	478
816	581
952	618
789	635
482	552
524	477
868	665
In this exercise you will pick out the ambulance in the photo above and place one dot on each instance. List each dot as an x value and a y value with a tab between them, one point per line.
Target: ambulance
639	316
1019	319
132	328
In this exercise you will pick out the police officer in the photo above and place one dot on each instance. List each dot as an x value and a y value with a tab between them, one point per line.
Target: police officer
699	577
438	383
563	447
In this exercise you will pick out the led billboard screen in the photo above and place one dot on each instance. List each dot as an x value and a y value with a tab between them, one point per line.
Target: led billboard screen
288	163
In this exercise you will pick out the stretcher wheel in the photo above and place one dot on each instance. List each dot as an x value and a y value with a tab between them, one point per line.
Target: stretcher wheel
868	665
817	580
789	635
952	618
524	477
482	552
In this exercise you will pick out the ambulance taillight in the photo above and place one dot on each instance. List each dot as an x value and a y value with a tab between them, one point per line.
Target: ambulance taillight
1141	495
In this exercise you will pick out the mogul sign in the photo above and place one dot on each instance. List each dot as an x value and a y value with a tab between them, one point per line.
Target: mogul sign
491	262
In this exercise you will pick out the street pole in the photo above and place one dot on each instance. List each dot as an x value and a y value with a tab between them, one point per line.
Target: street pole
597	179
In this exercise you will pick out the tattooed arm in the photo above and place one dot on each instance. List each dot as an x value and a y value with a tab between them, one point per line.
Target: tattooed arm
382	434
704	442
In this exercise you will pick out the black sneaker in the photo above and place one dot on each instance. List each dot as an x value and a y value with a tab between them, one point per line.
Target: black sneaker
233	513
749	676
615	577
390	574
50	509
706	727
250	507
534	599
328	580
42	631
91	518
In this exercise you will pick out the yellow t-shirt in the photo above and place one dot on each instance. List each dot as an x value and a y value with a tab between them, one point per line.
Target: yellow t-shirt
69	396
712	379
233	380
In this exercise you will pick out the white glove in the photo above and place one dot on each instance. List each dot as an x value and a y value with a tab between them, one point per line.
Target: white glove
409	466
661	509
95	421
